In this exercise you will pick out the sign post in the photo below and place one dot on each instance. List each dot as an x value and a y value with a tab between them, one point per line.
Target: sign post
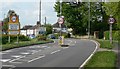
61	21
111	21
14	26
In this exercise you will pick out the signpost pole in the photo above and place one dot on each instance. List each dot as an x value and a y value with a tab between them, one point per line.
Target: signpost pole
9	39
110	33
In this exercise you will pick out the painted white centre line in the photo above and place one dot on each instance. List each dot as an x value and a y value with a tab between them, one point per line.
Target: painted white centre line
55	51
36	58
4	60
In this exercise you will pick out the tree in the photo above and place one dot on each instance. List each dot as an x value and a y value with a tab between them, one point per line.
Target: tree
77	16
48	28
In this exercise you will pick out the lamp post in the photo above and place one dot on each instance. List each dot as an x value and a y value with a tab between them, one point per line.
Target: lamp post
89	20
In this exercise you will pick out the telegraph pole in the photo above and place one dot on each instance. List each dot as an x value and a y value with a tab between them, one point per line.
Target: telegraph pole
89	21
40	12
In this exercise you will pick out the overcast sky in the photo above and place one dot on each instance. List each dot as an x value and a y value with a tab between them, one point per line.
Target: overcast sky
28	11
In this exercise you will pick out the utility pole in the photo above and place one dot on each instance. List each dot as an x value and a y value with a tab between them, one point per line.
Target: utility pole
40	12
89	21
45	20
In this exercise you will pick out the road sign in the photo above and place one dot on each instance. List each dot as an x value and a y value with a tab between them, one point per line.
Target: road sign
14	26
60	20
111	20
13	32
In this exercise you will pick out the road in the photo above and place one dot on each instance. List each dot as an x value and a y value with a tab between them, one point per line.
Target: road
49	55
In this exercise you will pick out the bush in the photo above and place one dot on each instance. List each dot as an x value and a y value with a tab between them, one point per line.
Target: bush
41	37
24	38
13	38
115	35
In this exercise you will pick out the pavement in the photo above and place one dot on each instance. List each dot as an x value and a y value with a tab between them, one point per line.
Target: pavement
49	55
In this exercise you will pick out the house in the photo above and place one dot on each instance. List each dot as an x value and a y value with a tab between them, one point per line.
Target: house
33	30
56	28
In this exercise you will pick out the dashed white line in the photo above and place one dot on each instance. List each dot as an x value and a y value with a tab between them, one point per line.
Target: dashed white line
55	51
36	58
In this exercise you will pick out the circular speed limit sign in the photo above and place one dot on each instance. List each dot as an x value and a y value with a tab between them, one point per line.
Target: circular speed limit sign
60	20
13	18
111	20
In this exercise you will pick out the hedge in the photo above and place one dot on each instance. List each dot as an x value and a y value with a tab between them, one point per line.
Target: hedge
14	38
115	35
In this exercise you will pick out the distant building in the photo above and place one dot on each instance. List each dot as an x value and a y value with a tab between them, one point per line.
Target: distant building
33	30
57	29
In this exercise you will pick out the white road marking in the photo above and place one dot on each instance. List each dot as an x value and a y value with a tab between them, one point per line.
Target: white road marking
36	58
44	46
97	45
8	65
54	51
1	53
5	60
16	56
25	53
16	62
75	42
65	47
16	59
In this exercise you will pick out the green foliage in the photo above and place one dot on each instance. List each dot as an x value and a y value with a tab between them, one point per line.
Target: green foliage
24	38
77	17
115	35
41	38
102	60
105	44
14	38
48	29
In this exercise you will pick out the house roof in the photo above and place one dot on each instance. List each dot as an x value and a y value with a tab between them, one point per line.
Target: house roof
56	25
26	27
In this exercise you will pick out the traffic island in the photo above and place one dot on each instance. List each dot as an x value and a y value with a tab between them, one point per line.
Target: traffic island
64	45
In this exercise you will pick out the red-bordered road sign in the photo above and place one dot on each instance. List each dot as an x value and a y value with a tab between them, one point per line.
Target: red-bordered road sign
60	20
111	20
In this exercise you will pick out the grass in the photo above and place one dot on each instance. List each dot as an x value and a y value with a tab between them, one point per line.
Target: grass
102	60
105	44
23	44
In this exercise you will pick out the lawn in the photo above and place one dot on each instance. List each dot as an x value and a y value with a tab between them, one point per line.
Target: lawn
102	60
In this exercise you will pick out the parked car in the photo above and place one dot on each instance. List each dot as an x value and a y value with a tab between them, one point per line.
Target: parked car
31	36
51	36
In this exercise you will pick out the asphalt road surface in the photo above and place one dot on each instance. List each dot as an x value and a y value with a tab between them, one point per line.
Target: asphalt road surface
48	55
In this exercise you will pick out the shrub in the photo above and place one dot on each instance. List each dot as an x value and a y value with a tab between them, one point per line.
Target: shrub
24	38
41	37
115	35
13	38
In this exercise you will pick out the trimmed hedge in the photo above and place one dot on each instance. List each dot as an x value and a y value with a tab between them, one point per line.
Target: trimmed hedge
14	38
115	35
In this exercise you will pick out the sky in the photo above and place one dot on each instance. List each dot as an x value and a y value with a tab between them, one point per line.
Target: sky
28	11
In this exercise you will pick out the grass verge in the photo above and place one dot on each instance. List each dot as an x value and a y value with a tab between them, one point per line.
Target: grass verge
105	44
23	44
102	60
